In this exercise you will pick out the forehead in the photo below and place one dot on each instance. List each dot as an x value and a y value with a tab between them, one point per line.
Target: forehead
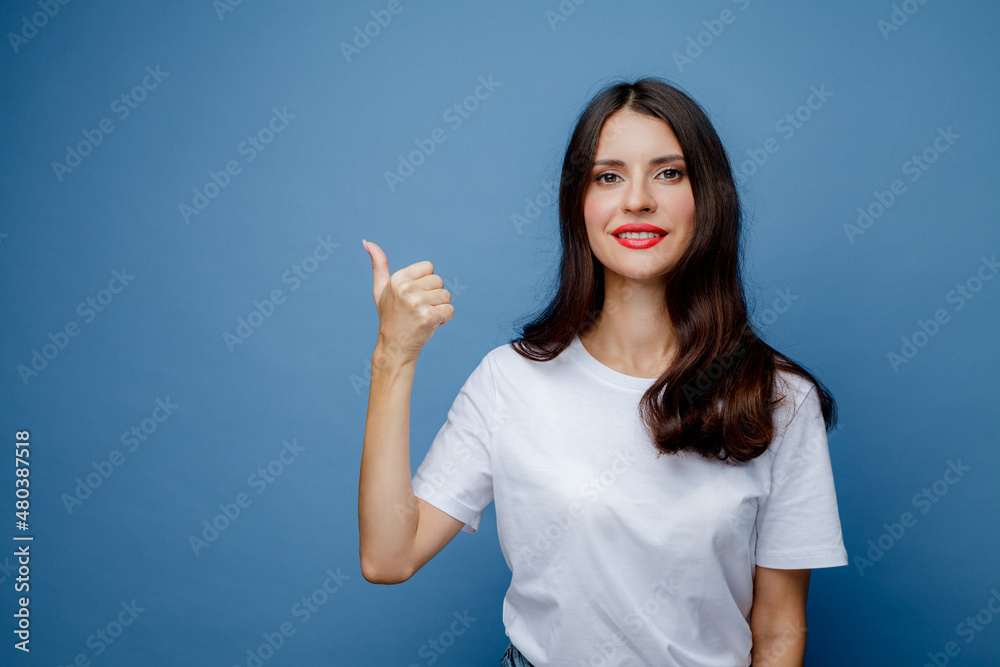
628	130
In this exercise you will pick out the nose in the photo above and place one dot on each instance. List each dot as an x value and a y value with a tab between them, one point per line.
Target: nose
638	198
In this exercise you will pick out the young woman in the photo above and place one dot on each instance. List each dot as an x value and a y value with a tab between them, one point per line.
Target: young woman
662	477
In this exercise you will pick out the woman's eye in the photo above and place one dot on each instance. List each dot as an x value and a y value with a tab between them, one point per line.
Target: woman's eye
608	177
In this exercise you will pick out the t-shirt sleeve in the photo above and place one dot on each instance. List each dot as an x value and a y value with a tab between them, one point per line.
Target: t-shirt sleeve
455	475
798	523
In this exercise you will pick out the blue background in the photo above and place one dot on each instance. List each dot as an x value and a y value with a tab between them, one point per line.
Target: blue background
301	374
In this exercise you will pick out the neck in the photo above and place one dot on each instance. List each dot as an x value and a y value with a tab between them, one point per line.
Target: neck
633	333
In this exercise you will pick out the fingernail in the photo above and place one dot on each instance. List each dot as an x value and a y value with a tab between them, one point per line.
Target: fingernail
365	244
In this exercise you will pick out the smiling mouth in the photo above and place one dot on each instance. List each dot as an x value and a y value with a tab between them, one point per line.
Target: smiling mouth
637	235
638	240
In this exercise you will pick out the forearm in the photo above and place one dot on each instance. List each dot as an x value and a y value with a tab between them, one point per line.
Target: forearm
387	516
779	642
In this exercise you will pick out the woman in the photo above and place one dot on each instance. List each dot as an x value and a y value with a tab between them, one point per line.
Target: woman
662	478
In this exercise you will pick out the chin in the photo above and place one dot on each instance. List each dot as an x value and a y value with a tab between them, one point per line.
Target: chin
634	273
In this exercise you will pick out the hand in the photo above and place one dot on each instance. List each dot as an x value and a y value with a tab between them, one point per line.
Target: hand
412	303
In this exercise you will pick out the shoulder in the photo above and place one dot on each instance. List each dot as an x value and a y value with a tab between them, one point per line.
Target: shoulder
511	371
501	353
794	395
794	386
506	357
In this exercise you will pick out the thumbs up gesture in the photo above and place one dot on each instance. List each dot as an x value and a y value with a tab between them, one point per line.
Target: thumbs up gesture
412	303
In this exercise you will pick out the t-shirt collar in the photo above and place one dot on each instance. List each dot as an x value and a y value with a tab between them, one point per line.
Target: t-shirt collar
580	355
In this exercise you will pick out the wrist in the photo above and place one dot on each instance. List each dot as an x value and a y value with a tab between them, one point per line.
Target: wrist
390	356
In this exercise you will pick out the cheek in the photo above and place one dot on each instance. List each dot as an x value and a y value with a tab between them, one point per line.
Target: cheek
595	212
684	206
681	213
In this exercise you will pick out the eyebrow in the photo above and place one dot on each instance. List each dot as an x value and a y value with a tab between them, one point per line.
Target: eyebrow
663	159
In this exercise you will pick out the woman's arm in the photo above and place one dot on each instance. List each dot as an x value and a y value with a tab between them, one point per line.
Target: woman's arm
398	532
778	617
384	485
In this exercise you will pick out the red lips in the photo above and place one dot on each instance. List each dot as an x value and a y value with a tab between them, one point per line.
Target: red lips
639	227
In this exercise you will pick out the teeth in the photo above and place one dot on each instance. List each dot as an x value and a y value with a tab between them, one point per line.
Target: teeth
637	235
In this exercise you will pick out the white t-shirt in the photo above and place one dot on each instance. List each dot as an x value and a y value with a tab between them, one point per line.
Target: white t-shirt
619	557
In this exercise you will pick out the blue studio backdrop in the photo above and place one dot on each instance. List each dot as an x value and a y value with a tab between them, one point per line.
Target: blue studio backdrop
188	319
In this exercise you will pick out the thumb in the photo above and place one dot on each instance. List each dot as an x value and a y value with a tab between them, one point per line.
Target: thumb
380	269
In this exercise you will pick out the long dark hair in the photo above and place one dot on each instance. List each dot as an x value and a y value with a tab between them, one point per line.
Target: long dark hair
717	397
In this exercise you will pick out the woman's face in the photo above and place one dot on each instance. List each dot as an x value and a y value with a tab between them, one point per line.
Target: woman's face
639	179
